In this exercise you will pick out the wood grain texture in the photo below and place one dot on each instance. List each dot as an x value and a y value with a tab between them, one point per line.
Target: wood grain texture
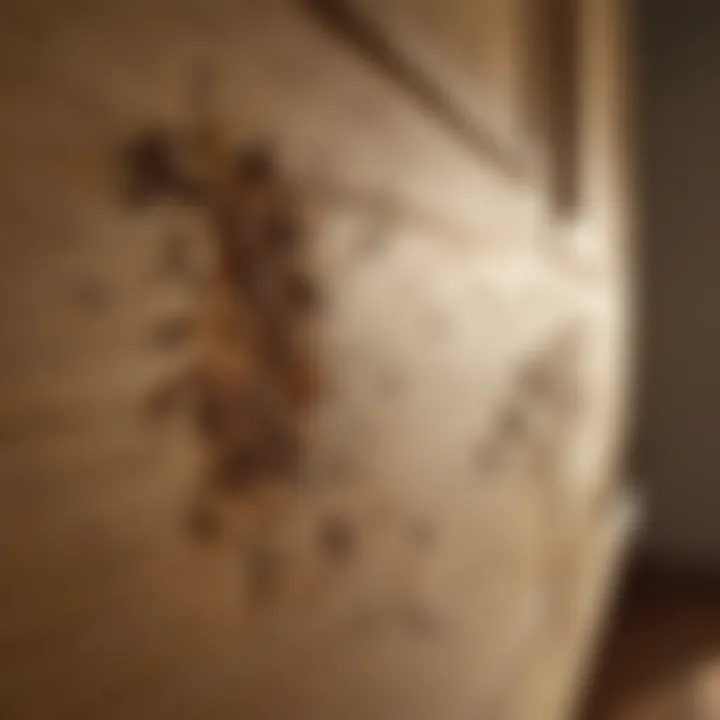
107	607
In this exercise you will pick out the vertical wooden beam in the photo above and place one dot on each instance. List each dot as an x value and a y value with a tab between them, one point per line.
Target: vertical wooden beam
555	94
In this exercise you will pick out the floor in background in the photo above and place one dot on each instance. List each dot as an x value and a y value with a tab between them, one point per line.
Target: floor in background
661	658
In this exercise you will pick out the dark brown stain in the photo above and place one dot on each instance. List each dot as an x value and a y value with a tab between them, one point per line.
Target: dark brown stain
253	416
152	171
251	419
258	463
338	539
256	163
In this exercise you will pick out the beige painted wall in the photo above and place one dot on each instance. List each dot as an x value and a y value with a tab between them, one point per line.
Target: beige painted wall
107	608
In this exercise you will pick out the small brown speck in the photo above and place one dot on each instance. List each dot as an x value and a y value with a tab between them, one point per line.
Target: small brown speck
151	170
338	538
256	163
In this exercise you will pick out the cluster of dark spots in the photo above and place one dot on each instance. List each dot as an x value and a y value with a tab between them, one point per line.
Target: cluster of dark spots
252	419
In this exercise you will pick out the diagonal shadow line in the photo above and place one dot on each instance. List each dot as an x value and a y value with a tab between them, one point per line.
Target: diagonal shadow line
387	51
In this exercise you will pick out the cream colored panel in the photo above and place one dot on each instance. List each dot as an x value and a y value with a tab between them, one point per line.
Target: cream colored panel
438	447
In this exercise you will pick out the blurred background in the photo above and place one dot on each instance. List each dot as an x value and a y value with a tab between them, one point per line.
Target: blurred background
358	359
665	629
